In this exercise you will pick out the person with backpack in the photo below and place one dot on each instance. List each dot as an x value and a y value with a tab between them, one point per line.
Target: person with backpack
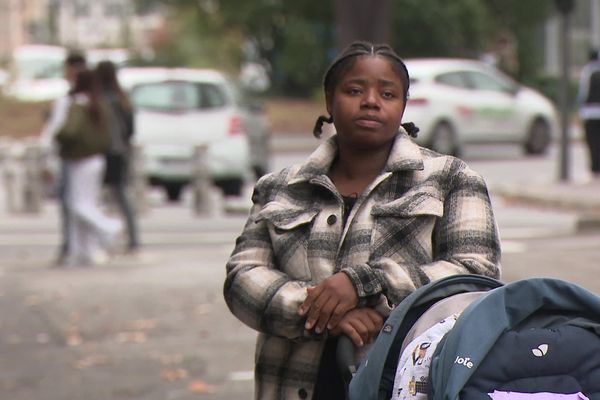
333	244
588	100
74	62
120	121
83	140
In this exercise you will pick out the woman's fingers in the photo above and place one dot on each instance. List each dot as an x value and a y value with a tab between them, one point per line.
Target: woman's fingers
357	331
312	294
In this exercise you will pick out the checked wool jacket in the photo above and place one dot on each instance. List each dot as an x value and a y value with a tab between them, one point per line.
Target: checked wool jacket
426	216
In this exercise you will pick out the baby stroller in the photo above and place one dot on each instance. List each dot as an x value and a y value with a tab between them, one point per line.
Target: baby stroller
532	339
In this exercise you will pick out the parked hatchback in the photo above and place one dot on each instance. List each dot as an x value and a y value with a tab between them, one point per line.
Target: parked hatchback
179	109
458	101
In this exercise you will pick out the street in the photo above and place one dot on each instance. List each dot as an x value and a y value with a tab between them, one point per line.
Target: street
154	325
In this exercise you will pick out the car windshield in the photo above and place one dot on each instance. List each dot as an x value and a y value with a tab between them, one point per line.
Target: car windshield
178	95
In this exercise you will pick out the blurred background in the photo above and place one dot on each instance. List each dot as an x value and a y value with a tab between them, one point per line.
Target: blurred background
285	46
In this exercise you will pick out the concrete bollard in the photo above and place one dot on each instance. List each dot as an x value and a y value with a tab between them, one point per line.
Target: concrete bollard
12	176
138	179
201	185
32	179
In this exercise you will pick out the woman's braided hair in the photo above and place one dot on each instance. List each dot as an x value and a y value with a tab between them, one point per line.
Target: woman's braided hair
346	60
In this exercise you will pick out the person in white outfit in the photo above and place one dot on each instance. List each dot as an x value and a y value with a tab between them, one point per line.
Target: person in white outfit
74	62
83	141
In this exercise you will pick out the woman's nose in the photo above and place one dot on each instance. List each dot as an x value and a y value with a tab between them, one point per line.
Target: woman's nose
370	99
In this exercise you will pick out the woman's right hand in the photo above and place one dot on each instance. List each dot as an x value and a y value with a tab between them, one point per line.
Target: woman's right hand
361	325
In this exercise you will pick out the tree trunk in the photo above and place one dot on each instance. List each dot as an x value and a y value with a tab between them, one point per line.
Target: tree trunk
362	20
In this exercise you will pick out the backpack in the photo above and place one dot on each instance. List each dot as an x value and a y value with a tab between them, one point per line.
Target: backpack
80	137
594	88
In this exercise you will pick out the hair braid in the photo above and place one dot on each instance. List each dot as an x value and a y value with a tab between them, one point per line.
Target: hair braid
318	129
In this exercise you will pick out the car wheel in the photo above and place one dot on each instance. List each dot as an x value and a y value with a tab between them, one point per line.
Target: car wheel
538	138
443	140
230	187
173	191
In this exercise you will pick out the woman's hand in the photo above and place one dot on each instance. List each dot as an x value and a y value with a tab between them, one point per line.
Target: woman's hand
361	325
328	302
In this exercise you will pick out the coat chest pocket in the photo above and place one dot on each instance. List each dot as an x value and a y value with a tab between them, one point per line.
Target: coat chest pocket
289	230
402	229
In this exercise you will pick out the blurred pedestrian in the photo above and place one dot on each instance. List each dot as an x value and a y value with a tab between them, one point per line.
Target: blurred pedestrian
333	244
84	139
588	100
118	158
74	62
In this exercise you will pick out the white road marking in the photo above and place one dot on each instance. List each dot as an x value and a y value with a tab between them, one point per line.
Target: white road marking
511	246
241	376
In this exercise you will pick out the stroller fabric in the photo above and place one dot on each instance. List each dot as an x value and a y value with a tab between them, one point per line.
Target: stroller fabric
533	335
375	376
412	374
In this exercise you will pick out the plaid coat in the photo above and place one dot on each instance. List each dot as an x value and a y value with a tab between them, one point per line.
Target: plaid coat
424	217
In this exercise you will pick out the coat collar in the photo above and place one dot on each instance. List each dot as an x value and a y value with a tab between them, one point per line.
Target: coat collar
405	156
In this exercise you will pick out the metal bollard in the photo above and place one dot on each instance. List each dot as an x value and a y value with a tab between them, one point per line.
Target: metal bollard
201	185
32	176
11	176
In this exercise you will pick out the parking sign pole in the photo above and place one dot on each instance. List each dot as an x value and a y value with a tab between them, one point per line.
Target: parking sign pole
565	7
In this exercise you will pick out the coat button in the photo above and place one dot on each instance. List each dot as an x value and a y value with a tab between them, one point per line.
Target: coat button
302	393
332	219
368	288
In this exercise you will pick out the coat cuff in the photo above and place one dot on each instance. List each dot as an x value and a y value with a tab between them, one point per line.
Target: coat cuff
367	282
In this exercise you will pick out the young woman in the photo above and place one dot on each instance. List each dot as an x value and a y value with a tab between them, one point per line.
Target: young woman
83	141
120	123
333	244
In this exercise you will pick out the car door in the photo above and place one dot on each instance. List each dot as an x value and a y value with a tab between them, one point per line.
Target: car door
496	107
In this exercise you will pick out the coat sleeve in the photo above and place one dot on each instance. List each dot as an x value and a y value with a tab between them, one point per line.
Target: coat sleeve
255	290
465	240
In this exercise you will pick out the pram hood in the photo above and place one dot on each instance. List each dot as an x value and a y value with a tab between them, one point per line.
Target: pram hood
498	311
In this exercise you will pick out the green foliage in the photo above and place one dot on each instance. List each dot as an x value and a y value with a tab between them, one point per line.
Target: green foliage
296	37
436	28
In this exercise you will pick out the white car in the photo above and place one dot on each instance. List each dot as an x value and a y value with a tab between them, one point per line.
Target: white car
460	101
179	109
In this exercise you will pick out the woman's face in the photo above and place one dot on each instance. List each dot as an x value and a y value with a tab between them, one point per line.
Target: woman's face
367	104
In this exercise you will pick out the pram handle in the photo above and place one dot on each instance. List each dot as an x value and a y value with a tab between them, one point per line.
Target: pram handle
349	357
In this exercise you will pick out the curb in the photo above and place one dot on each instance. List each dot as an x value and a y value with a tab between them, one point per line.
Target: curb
586	207
588	223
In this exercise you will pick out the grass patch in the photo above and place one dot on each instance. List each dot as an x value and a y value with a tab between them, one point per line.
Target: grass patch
21	119
286	115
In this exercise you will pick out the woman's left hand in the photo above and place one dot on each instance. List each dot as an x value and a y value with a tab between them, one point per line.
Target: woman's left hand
328	302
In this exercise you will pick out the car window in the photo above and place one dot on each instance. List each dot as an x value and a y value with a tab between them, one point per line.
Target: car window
211	96
454	79
482	81
176	95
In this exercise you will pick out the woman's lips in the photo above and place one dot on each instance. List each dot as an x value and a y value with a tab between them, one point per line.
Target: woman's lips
368	123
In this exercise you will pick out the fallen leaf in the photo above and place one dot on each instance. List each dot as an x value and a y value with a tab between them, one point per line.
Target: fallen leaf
173	374
143	324
131	337
171	359
73	337
32	300
90	361
199	386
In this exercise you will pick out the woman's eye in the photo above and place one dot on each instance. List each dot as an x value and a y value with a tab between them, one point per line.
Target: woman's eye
354	91
389	95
